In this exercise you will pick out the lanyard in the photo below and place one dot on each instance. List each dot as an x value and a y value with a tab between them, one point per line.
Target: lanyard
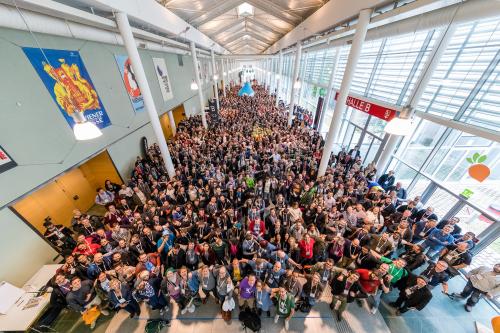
378	244
394	270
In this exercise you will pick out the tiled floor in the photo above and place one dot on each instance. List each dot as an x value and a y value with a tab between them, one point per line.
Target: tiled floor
206	319
442	315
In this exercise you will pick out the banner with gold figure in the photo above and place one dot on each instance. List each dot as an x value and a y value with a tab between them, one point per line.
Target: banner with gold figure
69	84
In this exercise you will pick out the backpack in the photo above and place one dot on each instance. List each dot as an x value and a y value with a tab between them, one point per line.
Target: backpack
250	320
155	325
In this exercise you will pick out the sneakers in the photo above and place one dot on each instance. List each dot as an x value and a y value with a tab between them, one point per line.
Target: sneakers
456	295
276	318
468	308
191	308
92	325
287	325
373	310
183	311
105	312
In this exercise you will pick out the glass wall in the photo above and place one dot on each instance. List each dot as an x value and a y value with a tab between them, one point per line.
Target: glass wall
455	172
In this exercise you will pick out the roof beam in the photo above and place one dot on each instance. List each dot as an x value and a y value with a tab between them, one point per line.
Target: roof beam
233	37
267	27
247	46
253	39
261	38
226	27
217	9
276	11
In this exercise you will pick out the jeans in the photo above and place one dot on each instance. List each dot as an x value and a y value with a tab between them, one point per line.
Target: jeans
310	300
374	299
473	294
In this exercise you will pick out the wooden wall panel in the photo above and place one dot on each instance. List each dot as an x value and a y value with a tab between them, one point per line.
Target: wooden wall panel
98	169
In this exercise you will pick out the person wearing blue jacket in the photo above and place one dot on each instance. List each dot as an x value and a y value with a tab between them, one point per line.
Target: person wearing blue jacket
263	298
98	265
120	297
437	240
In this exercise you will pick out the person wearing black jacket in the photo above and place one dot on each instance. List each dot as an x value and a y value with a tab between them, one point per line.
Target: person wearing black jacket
414	257
148	240
345	289
387	207
176	257
453	222
366	260
386	181
427	213
416	295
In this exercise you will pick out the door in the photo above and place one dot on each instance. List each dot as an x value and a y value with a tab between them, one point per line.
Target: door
77	188
179	114
51	201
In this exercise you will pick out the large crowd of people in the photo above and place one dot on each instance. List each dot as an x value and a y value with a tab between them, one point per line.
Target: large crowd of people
247	221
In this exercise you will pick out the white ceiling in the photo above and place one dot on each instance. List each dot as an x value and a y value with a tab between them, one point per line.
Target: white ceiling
219	20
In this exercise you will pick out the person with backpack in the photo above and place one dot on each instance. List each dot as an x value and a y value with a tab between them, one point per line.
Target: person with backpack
285	306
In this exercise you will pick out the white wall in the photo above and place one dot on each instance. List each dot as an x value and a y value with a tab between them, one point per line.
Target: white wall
22	251
36	135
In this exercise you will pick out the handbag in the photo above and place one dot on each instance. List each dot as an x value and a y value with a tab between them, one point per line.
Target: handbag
228	304
91	315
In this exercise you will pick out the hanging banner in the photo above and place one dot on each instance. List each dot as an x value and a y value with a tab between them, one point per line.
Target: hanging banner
371	108
163	79
69	84
6	162
319	110
212	110
131	86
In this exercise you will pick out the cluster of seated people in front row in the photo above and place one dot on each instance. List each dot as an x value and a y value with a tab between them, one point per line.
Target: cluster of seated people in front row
247	220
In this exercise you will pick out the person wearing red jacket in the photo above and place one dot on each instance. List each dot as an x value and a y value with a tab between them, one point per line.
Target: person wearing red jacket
306	246
375	283
86	248
257	227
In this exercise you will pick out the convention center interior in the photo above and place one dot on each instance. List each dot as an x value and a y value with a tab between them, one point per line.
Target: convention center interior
199	166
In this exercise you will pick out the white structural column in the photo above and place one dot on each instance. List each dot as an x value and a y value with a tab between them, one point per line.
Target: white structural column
418	90
276	75
295	75
329	92
214	73
279	77
171	121
266	76
140	74
224	76
199	83
352	61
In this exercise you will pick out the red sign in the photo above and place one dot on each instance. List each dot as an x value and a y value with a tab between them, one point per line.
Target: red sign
376	110
6	162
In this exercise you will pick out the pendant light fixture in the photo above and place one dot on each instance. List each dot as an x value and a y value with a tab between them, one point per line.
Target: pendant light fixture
194	85
401	125
83	129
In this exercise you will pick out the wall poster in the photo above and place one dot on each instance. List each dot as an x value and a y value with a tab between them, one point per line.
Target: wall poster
69	84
